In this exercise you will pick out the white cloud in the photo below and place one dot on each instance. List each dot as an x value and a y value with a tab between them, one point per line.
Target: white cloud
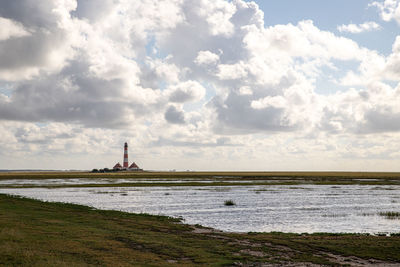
113	74
11	29
364	27
189	91
245	90
372	110
232	71
48	44
389	9
392	68
91	75
206	58
269	101
218	15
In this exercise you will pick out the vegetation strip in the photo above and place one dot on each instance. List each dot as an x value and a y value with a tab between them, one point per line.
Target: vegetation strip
390	214
196	179
35	233
204	175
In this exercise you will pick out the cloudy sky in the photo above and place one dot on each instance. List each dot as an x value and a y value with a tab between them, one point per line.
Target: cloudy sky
200	84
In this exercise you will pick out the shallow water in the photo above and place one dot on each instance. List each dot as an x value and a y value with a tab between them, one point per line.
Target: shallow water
84	181
306	208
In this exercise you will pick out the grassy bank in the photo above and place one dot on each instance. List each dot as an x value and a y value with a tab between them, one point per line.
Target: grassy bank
199	178
34	233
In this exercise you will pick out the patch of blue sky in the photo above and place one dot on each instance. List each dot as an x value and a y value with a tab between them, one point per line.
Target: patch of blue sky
392	84
380	40
325	14
151	46
152	50
210	90
41	124
162	85
328	82
6	89
328	15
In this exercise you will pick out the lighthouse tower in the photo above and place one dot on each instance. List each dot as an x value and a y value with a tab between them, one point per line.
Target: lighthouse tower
126	165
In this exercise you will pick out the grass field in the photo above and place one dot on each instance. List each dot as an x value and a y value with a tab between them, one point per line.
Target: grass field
214	178
35	233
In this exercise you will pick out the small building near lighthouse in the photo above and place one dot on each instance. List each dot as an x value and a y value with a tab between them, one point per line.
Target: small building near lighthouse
134	167
117	166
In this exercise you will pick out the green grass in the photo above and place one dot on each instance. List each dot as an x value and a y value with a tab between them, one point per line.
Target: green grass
35	233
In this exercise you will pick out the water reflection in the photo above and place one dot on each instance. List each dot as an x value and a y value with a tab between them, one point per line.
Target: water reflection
309	208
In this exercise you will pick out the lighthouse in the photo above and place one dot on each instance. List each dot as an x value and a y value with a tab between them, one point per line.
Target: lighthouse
126	164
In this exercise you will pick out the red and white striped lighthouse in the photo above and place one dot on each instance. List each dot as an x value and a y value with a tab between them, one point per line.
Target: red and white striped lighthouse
126	165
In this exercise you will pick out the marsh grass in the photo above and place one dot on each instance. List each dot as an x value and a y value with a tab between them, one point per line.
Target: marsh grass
202	183
229	203
391	215
334	215
224	178
365	214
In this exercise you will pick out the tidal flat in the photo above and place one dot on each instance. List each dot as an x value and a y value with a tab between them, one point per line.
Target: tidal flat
204	178
277	218
257	208
36	233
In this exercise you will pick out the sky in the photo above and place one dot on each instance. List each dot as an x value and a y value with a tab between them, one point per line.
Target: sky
200	84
